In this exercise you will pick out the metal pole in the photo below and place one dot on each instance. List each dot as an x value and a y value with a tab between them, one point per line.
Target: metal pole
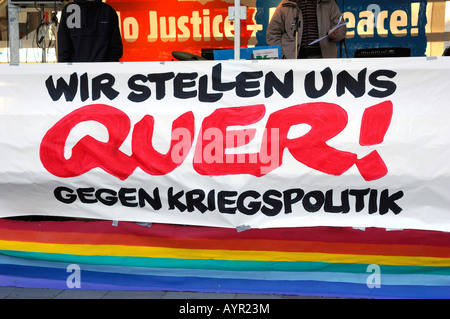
44	52
237	29
13	33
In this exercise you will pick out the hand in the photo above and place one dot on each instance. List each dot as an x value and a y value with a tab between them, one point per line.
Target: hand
333	35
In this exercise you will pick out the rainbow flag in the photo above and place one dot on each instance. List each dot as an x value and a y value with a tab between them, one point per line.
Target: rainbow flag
316	261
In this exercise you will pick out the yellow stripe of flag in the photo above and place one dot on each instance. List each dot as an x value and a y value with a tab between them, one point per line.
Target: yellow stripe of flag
218	254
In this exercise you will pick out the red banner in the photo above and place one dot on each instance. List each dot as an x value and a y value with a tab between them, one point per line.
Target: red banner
152	30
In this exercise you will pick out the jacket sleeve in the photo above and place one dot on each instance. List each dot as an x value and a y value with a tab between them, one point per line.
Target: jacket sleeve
65	46
276	28
335	16
115	50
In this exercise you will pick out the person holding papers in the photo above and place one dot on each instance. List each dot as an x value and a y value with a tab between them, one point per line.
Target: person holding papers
312	26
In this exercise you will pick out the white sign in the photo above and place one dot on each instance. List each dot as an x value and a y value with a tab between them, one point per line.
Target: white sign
354	143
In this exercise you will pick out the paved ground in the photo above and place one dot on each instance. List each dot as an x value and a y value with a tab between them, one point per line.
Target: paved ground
34	293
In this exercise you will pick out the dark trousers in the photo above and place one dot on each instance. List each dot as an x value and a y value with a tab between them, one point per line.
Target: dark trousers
309	53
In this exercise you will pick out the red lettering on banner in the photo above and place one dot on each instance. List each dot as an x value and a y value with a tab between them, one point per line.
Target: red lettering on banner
154	162
326	121
89	153
210	158
375	123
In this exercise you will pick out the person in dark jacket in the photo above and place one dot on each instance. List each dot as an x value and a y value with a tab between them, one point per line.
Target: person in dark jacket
89	32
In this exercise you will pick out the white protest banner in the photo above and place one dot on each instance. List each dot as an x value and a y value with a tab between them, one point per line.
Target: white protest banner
359	143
